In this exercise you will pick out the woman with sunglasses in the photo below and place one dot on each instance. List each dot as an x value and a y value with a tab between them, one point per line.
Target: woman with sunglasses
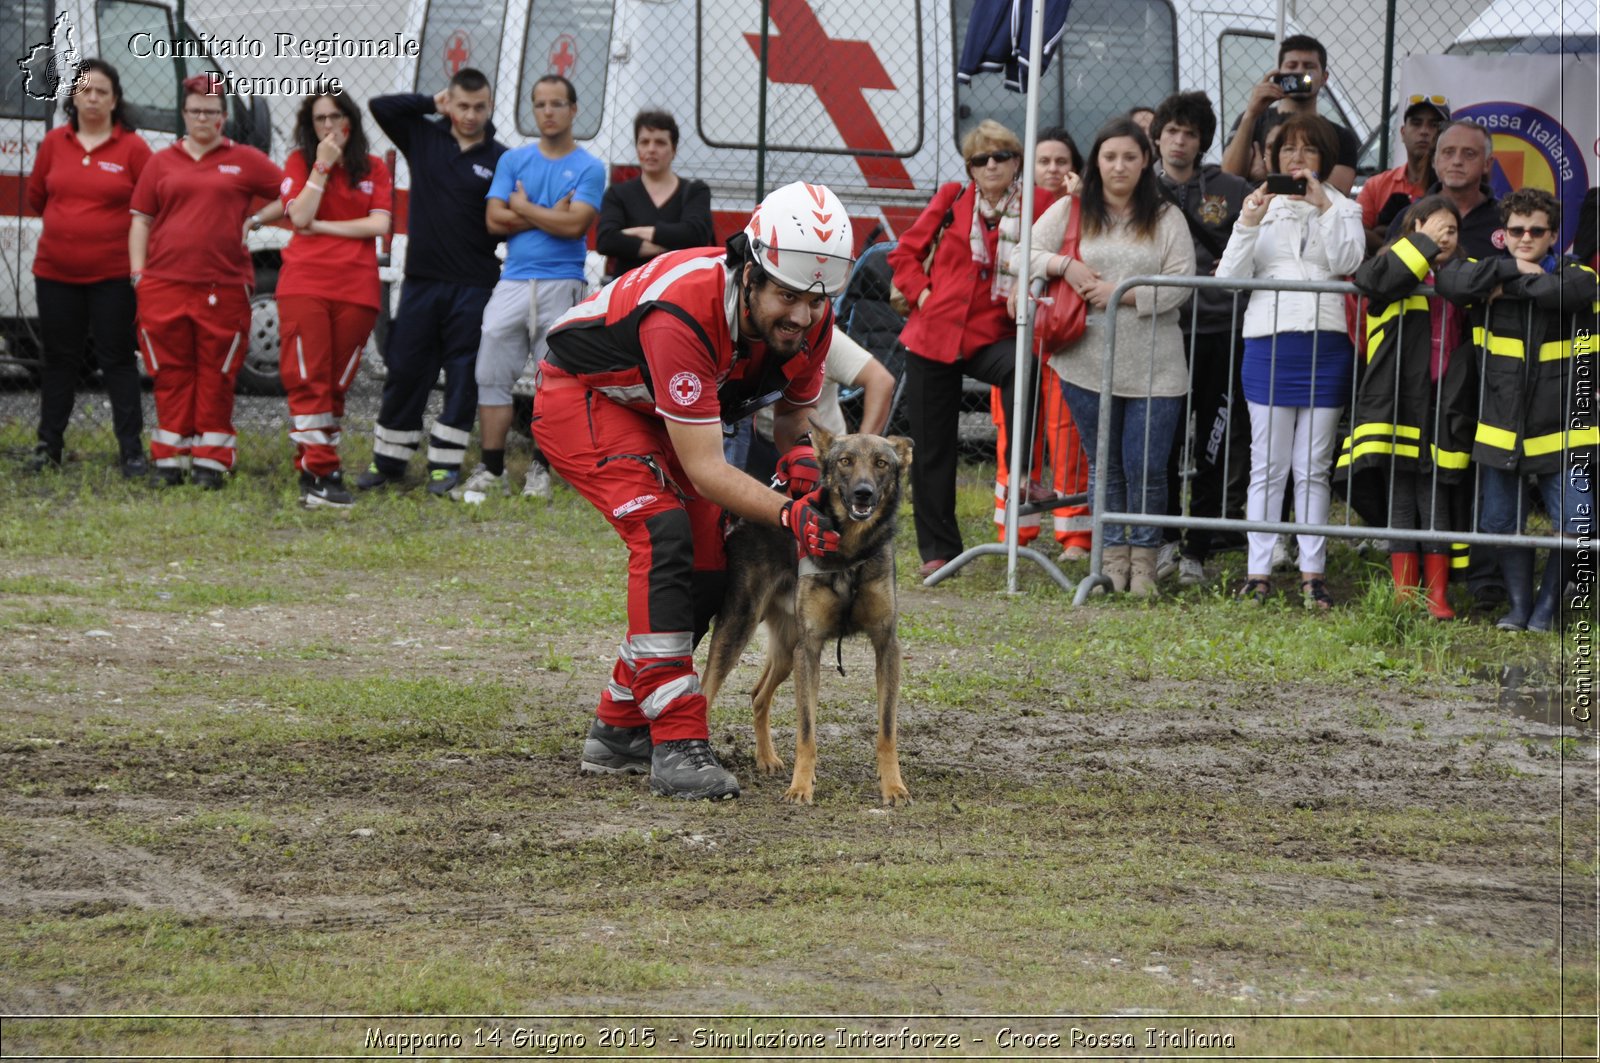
338	198
193	276
81	183
954	267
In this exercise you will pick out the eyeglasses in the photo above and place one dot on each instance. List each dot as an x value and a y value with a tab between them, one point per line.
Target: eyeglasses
1517	232
207	113
323	119
983	158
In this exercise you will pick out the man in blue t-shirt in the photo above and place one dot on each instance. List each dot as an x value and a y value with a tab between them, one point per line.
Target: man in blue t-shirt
543	199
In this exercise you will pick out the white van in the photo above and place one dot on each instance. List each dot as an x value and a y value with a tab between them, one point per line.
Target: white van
862	97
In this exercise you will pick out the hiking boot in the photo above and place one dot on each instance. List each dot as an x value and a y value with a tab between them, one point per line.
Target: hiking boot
375	478
318	491
134	467
1142	570
442	481
166	476
1167	559
44	459
207	479
477	487
686	768
537	484
1191	572
615	750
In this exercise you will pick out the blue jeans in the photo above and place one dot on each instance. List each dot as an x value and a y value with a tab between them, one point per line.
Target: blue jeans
1568	499
1136	474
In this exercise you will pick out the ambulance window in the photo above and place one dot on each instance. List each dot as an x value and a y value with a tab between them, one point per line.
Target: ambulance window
572	39
457	34
140	36
1245	59
25	26
1114	54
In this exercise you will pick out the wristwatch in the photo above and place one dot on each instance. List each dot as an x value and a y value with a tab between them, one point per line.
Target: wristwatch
255	222
321	167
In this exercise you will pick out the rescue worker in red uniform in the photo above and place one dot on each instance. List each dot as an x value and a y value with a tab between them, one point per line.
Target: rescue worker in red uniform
193	278
639	380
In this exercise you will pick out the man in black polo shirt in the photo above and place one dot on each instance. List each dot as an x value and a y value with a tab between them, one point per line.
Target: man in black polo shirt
1300	58
1463	156
451	269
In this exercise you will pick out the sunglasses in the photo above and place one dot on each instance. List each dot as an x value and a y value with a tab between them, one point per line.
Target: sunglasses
1517	232
983	158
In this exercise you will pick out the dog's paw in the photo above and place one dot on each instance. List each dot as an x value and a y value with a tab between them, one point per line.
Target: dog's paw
798	794
896	795
769	765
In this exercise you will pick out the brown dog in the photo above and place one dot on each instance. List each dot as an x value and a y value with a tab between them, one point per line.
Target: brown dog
805	604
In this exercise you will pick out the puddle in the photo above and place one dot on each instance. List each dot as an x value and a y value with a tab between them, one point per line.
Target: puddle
1532	694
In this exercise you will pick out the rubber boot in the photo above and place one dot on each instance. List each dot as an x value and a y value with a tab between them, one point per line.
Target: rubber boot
1516	566
1554	585
1114	564
1142	562
1436	578
1404	567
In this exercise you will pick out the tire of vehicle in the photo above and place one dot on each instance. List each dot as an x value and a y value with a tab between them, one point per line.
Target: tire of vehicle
259	374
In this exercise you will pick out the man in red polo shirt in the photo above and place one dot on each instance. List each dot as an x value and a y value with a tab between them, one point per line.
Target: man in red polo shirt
1385	196
193	277
638	383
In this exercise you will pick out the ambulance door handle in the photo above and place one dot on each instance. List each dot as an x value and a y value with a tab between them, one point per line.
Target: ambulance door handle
621	51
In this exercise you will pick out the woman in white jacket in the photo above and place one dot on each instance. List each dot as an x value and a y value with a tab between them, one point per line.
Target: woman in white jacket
1297	355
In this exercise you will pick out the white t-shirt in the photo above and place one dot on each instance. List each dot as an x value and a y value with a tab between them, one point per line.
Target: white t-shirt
846	360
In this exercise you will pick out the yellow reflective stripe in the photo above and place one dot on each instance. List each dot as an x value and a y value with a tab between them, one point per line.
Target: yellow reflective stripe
1414	260
1404	431
1382	447
1552	442
1555	350
1500	438
1460	555
1377	322
1451	459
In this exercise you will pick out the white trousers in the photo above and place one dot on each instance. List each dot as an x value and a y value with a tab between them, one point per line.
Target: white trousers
1285	438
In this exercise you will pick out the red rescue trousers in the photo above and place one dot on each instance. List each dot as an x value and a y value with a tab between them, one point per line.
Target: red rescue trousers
322	343
193	338
622	461
1058	436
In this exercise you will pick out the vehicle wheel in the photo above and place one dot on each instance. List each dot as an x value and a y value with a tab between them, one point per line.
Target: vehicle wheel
259	374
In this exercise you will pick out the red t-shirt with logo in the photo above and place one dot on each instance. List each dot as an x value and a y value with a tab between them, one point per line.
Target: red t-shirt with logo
197	210
83	197
341	267
686	381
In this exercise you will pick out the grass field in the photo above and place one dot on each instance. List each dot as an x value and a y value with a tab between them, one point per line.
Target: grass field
269	763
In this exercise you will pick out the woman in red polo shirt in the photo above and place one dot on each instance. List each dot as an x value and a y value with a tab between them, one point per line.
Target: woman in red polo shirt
338	199
81	183
193	274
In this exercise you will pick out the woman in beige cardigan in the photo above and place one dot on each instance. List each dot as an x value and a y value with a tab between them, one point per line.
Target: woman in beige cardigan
1127	229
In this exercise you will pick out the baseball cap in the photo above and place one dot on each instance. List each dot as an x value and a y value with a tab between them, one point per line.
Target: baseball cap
1438	103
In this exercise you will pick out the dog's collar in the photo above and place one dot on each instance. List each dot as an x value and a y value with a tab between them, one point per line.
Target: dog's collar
809	567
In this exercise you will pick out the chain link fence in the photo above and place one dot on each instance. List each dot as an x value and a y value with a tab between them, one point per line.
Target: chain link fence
862	97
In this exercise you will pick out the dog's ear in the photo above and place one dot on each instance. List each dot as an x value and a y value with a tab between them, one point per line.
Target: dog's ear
821	440
902	447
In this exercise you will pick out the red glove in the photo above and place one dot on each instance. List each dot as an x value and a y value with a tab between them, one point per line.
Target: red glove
810	526
798	471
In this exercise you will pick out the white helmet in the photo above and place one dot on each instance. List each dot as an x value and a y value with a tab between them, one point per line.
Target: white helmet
800	235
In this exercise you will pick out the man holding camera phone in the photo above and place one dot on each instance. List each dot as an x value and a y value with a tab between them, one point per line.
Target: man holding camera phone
1292	88
1386	195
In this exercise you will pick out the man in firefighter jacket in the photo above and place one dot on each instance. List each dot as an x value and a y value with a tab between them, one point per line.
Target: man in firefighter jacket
1534	326
638	382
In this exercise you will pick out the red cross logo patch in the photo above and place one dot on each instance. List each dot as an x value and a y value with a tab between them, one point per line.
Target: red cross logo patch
685	388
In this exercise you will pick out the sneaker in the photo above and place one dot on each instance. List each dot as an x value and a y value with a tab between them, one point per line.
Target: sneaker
1191	572
44	459
1282	558
166	476
208	479
615	750
319	491
375	478
476	487
1167	559
134	467
537	485
686	768
443	481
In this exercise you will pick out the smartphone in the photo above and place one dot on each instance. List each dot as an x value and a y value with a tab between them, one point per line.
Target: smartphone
1293	84
1281	184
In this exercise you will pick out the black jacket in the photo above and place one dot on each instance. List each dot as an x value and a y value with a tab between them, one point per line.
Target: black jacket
1538	394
